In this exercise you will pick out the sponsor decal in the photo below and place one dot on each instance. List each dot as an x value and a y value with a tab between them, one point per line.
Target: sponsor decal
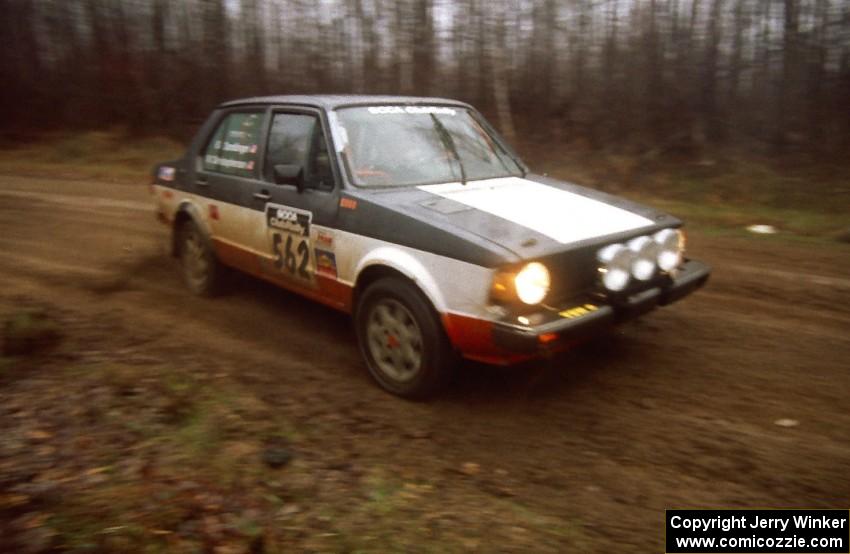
214	212
578	311
325	239
413	110
166	173
291	220
325	263
167	194
348	203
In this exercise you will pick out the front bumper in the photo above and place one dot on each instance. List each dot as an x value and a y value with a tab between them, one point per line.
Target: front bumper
561	328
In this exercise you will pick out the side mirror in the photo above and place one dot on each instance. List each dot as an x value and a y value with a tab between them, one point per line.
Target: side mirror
289	174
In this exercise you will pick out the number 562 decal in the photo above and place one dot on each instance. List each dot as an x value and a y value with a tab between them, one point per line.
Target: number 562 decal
289	232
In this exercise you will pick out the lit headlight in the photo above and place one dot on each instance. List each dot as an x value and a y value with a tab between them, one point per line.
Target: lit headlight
671	246
532	283
646	251
615	266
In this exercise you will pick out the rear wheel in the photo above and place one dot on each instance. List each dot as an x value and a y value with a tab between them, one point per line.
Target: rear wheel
402	340
201	270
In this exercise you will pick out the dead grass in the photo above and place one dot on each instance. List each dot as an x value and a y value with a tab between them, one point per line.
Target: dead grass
128	476
100	155
728	192
28	332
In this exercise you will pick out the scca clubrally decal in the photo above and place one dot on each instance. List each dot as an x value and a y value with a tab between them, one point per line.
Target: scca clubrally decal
291	220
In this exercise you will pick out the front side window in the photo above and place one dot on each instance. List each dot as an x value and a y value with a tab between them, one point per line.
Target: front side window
232	150
297	140
417	145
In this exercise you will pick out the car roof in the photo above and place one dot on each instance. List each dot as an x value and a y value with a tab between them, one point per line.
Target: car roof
333	101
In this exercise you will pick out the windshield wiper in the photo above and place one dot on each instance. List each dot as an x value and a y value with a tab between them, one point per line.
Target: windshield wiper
449	143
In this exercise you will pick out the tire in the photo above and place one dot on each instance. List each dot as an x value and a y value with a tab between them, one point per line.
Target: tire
402	340
202	272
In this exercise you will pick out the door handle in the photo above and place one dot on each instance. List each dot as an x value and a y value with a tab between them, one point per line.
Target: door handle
263	195
202	182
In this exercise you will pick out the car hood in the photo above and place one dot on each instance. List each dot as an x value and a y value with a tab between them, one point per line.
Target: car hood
533	216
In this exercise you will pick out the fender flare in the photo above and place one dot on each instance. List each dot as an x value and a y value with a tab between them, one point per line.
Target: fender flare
409	266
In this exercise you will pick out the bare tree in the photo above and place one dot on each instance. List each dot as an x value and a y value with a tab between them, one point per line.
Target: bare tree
647	76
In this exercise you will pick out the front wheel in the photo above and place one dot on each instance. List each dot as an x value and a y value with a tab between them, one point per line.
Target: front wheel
401	339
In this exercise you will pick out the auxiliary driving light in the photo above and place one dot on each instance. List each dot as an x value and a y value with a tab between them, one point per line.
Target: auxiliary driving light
671	245
645	253
615	266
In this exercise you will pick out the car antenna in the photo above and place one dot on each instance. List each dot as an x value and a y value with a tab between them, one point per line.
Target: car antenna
449	143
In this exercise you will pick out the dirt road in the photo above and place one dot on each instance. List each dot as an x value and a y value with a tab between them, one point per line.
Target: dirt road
581	452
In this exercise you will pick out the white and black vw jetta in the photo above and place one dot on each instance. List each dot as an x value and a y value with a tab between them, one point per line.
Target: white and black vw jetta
415	216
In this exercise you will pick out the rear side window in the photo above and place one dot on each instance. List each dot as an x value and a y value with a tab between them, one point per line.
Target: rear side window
232	150
297	139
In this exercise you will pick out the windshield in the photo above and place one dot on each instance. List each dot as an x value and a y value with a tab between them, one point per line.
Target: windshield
417	145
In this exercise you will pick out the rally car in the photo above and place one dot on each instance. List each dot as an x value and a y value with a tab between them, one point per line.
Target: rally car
413	215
